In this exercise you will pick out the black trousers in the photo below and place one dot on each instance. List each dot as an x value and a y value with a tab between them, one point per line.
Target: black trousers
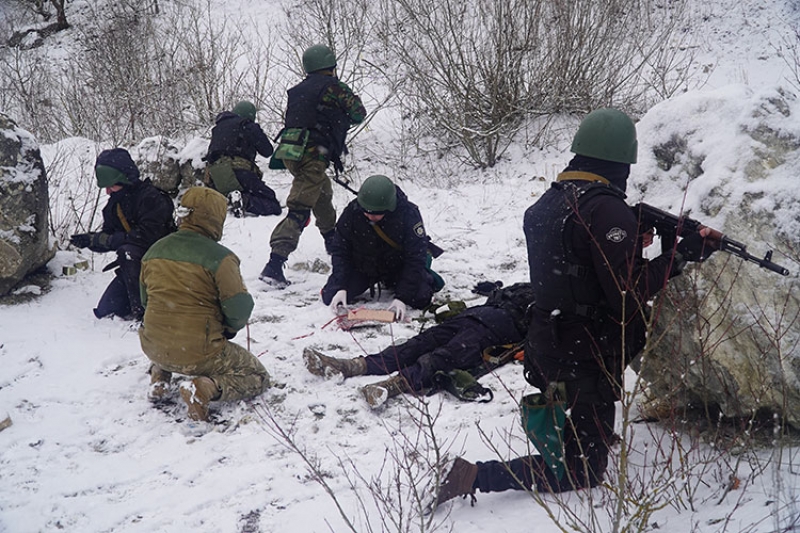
259	199
455	344
358	283
121	297
587	442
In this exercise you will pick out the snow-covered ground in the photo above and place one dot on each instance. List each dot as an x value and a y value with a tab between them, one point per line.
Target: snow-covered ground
88	453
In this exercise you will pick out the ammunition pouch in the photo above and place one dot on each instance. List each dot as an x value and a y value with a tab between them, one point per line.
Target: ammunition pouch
221	177
544	417
292	144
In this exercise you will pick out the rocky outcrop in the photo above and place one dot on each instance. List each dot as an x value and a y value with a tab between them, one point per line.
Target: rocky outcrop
160	159
727	333
24	240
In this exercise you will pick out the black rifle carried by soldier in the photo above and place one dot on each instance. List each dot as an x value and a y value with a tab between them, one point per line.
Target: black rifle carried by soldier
669	227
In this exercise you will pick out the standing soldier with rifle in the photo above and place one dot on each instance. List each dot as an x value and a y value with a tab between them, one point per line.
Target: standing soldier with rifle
319	112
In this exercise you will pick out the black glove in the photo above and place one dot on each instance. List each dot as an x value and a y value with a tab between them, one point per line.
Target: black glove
695	248
485	288
81	240
101	242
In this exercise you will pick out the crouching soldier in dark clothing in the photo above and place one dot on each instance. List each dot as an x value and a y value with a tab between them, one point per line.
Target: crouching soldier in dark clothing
137	215
456	343
235	140
195	301
380	239
589	320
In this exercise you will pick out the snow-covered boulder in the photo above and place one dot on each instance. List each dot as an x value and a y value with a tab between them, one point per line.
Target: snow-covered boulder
171	168
726	332
24	241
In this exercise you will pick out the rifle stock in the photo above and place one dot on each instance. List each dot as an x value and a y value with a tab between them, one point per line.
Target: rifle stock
669	227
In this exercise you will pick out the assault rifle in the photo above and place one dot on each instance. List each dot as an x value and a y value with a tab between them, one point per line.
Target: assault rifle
669	227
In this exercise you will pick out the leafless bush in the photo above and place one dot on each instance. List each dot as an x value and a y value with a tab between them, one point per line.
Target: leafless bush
477	70
395	499
144	70
74	198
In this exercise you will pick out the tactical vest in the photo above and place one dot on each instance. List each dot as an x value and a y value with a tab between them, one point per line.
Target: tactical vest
561	281
228	139
514	299
327	125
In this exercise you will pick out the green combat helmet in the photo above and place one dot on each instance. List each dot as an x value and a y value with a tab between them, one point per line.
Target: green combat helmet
377	194
318	57
607	134
245	109
109	176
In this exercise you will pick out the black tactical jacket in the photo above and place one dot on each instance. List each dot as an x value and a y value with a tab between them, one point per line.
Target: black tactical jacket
357	246
236	136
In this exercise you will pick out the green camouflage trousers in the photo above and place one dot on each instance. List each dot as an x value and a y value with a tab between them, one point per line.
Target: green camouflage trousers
237	373
311	192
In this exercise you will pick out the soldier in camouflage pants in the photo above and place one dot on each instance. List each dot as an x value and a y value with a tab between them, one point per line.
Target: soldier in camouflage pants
319	112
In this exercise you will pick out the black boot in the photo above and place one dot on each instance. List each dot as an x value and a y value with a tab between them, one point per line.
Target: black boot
273	272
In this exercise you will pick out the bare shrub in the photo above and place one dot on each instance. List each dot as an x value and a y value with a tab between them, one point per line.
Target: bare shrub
477	70
395	499
144	70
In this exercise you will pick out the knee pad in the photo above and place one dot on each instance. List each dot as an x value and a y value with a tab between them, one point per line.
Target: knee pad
301	217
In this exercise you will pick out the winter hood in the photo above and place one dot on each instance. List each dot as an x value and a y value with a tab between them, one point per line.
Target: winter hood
207	211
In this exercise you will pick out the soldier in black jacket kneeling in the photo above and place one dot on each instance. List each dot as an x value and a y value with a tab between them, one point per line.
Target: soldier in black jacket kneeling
136	216
380	242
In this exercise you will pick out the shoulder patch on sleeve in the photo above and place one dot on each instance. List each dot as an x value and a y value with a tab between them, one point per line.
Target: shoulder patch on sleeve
616	235
419	229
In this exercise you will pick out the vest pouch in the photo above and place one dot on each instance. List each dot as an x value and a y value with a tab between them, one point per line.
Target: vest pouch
292	145
543	421
222	176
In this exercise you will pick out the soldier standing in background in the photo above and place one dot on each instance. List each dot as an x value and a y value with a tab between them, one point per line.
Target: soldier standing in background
319	112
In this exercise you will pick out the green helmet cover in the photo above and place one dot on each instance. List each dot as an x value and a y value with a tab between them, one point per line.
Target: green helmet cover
109	176
377	194
607	134
245	109
318	57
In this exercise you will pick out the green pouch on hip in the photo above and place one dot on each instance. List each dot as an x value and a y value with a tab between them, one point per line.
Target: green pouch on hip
221	174
276	164
544	421
293	144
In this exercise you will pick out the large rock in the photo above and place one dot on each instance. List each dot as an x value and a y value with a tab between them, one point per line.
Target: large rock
24	240
727	333
171	169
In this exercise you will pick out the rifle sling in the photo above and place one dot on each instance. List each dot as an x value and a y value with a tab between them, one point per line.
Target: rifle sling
389	241
123	220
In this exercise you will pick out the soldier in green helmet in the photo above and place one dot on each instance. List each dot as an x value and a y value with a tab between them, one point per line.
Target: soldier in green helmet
380	241
136	216
319	112
236	139
591	287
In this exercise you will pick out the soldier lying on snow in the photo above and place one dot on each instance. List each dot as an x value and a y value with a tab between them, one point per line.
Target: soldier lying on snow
456	343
